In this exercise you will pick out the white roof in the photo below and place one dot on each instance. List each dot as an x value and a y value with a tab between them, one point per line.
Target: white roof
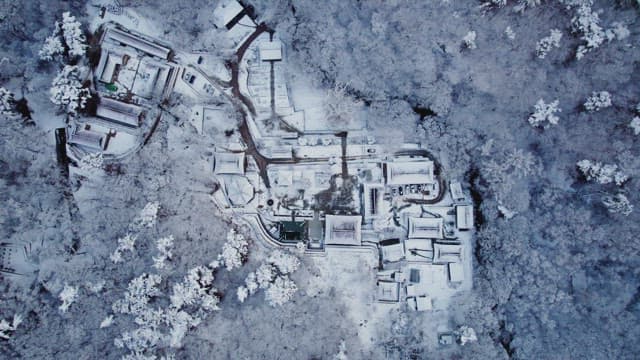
270	50
120	112
410	172
388	291
423	303
464	217
429	228
393	252
112	60
456	191
446	253
137	42
226	11
228	163
343	230
88	138
420	250
239	190
456	272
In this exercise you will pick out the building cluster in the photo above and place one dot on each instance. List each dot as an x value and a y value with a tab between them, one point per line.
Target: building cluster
134	73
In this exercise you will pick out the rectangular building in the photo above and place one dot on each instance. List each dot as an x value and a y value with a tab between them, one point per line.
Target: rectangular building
426	228
343	230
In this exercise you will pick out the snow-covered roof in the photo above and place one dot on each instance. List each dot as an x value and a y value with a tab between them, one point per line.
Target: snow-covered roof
464	217
426	228
388	291
424	303
270	50
343	230
119	112
137	42
88	138
402	172
110	63
447	253
228	163
392	252
418	250
151	78
226	11
456	272
372	199
239	190
456	191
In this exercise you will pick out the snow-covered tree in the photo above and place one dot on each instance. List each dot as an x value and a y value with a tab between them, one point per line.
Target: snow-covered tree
164	246
285	262
7	102
547	43
544	114
618	204
265	275
106	322
68	295
72	34
272	276
339	107
467	335
242	293
598	100
52	47
67	91
148	216
509	33
8	328
602	173
252	283
469	40
635	125
619	31
280	291
125	243
587	23
67	39
234	251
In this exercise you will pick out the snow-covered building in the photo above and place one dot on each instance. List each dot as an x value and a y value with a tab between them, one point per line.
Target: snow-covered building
270	50
392	250
426	228
464	217
343	230
456	272
456	191
403	172
372	200
227	13
446	253
418	250
124	38
120	113
229	163
135	63
90	139
238	189
388	291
